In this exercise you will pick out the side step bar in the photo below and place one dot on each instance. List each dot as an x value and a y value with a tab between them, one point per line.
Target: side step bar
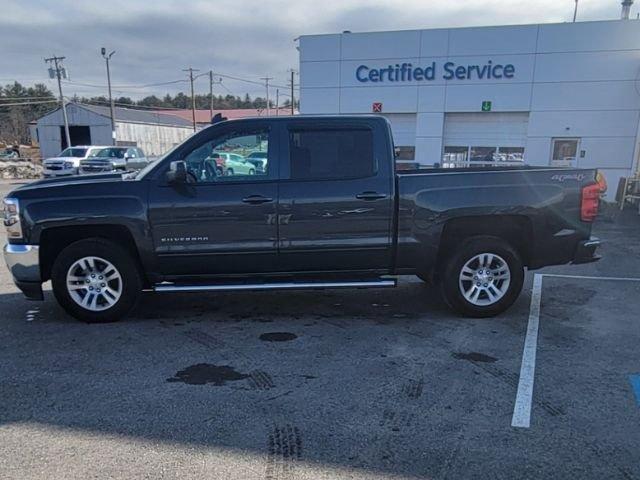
172	287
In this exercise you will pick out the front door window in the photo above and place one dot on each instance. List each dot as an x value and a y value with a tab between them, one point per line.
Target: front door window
231	157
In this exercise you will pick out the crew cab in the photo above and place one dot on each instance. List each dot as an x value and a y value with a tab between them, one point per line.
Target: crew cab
328	211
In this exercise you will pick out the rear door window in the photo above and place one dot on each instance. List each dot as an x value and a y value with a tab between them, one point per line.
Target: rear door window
326	154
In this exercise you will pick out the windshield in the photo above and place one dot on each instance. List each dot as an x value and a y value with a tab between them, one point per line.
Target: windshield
74	152
258	155
110	153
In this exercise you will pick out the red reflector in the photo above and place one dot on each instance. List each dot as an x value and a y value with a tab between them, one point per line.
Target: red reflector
590	201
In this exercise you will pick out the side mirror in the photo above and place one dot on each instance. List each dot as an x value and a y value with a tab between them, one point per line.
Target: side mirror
177	172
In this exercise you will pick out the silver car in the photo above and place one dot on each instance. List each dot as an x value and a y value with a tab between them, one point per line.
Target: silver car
114	158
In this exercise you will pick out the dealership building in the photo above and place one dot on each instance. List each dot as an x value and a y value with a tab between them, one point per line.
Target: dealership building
552	94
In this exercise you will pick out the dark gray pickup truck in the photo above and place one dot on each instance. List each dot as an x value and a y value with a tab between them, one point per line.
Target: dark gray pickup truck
326	211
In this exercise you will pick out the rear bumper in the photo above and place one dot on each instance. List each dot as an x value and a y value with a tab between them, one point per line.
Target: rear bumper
586	251
23	261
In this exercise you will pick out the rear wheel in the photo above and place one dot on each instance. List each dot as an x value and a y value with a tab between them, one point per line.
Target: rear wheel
229	172
252	171
483	277
96	281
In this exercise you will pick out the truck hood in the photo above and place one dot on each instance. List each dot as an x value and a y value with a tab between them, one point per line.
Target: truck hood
73	180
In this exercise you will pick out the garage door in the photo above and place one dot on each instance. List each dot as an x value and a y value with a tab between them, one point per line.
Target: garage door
483	139
403	126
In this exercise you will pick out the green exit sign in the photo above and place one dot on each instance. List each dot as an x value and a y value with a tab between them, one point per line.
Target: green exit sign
486	106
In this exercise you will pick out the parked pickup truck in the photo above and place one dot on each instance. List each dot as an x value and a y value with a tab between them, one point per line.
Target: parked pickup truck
329	211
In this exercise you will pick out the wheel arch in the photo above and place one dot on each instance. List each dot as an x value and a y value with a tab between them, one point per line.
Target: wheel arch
517	230
53	240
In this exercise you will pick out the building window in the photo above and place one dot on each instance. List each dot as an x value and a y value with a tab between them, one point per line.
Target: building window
455	156
476	156
564	152
482	154
405	153
511	154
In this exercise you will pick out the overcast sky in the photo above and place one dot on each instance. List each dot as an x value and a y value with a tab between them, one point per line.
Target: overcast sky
155	39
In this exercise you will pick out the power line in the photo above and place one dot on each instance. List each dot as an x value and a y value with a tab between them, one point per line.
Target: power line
131	106
132	87
14	104
42	97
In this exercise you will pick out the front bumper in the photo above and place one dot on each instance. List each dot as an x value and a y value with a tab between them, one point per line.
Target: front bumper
586	251
96	167
23	261
47	172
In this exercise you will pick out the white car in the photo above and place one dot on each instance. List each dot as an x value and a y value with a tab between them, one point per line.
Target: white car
68	162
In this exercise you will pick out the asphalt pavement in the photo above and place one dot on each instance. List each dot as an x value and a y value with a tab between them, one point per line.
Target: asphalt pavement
360	384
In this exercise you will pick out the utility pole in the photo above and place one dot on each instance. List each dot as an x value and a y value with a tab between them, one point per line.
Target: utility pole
210	94
193	97
575	12
111	107
277	101
59	72
211	83
293	102
266	84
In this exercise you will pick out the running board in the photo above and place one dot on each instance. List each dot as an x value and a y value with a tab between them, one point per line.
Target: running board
230	287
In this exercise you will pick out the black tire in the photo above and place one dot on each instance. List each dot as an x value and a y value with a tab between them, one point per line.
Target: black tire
219	172
229	172
125	265
466	251
252	171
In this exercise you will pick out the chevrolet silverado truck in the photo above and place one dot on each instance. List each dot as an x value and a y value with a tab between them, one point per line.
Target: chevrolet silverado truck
327	211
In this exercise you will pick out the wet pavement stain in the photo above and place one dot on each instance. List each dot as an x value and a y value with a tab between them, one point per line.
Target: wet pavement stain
203	373
474	357
278	337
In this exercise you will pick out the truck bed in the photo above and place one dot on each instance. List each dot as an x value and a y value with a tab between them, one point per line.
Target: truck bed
542	202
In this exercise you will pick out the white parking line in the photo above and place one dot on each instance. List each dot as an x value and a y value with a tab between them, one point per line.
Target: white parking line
522	408
524	396
588	277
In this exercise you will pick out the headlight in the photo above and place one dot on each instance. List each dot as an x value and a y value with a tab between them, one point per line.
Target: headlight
68	165
12	218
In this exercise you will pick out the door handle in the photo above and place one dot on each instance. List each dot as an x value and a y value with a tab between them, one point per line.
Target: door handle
256	199
370	196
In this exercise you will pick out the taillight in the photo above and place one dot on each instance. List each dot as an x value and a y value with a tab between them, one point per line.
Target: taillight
590	200
602	182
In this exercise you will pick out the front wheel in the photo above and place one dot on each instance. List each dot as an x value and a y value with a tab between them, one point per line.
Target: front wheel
95	280
483	277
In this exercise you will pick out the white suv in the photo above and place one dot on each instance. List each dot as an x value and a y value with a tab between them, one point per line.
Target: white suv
68	162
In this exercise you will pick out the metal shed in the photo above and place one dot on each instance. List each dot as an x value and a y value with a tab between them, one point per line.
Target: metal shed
154	132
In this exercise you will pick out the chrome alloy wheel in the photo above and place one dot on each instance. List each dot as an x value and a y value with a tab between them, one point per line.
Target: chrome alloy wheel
484	279
94	283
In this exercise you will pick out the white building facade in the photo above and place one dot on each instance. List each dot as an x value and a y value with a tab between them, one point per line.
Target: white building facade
552	94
